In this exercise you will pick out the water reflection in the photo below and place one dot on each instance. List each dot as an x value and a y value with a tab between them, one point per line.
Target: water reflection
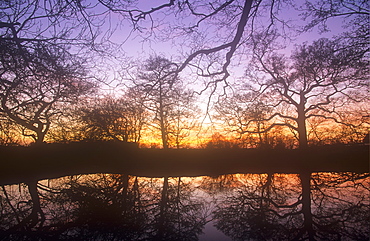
297	207
319	206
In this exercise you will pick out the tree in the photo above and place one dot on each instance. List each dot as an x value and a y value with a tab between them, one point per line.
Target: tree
183	117
38	69
60	23
110	118
165	98
219	141
210	55
34	79
239	115
8	132
355	13
323	80
218	33
213	35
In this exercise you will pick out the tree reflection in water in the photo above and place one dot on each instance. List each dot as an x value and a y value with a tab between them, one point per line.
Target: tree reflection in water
109	207
319	206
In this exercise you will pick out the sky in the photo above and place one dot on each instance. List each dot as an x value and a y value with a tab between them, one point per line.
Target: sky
136	48
131	46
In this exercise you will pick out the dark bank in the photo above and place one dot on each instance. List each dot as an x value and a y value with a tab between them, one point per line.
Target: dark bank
20	164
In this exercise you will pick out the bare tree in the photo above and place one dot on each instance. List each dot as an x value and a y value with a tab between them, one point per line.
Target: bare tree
113	118
34	79
240	115
55	22
165	98
183	117
82	23
8	132
213	34
355	13
217	33
38	69
323	80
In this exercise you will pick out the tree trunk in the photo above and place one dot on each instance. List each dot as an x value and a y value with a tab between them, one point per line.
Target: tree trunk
162	120
40	137
163	131
301	121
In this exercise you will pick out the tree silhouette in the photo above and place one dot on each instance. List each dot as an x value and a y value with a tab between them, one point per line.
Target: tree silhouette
323	80
239	114
35	78
8	132
113	118
165	98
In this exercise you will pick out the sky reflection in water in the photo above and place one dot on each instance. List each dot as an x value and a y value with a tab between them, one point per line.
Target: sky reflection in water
321	206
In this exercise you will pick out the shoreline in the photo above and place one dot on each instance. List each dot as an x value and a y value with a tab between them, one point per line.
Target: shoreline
48	161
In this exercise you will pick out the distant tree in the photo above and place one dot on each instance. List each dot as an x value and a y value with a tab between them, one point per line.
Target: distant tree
219	141
166	99
67	126
9	135
113	118
323	80
239	114
183	118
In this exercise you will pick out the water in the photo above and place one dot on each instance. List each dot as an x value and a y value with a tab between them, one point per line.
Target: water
318	206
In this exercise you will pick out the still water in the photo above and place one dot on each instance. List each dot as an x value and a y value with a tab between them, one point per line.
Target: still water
317	206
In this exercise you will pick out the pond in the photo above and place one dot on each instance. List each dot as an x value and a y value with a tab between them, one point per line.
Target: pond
306	206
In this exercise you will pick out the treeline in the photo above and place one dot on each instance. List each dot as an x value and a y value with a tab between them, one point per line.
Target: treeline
157	105
306	101
318	105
